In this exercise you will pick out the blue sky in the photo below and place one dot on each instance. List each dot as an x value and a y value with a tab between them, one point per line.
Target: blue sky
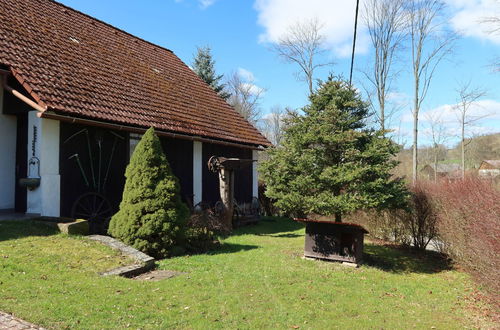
240	33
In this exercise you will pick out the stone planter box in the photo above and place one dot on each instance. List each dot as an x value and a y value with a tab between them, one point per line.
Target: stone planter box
334	241
66	225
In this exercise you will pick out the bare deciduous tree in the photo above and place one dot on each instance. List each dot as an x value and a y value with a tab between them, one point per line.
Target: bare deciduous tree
245	97
386	22
302	44
430	42
273	125
438	136
492	24
467	96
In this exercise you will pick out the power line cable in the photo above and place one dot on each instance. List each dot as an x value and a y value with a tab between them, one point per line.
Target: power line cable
354	41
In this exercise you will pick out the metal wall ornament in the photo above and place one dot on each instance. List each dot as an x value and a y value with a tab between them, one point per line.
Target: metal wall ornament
33	179
32	182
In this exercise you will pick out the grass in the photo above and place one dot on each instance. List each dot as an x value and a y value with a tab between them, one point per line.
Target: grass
257	279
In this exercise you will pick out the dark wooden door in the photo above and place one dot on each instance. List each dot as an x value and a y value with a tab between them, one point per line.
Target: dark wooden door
21	161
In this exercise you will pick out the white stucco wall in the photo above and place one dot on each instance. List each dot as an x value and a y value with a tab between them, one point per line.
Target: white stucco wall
255	174
8	131
489	172
45	200
197	172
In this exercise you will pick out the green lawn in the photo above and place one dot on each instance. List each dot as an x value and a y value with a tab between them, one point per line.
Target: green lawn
257	279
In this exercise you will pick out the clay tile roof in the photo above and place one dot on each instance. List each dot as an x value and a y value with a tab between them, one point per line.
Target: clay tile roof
493	162
79	66
446	168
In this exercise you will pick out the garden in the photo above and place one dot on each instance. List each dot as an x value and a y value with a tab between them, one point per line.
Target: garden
332	169
257	278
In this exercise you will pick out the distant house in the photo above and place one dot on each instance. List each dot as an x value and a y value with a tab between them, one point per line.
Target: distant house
449	171
75	96
489	168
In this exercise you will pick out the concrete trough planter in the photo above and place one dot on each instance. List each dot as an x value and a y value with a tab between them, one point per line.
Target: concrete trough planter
336	241
66	225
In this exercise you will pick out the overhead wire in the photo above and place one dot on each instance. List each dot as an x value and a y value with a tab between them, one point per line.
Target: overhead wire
354	41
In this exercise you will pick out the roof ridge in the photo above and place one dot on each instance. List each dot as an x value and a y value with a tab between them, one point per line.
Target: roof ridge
108	24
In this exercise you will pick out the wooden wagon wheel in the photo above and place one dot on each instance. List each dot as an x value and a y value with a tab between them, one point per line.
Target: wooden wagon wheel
219	209
96	209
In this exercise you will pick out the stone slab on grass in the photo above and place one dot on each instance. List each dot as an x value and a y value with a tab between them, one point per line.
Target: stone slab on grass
158	275
143	262
11	322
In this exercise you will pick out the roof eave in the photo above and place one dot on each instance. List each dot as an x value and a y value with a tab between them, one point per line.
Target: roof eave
140	130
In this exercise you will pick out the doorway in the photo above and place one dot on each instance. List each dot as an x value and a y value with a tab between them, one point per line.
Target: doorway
21	161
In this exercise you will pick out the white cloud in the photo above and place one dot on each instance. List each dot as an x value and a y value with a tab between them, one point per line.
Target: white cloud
246	74
469	14
253	89
206	3
486	111
484	108
247	79
337	18
398	99
203	3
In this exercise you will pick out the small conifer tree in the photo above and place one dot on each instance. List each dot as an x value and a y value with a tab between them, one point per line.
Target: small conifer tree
204	67
329	163
152	217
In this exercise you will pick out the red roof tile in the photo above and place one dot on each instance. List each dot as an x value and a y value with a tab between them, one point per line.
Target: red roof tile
79	66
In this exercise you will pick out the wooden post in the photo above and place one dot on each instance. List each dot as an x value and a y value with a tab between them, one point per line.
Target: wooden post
226	180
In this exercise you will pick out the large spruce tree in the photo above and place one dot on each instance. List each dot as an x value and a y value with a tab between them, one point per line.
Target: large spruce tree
204	66
152	217
329	163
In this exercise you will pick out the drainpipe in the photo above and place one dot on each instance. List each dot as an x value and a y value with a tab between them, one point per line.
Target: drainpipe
18	94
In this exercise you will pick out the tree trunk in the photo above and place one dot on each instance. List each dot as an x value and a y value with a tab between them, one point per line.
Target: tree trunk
415	132
435	162
382	116
463	144
338	217
226	182
415	146
310	83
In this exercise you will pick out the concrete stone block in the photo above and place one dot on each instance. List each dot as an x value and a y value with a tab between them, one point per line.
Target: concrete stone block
78	227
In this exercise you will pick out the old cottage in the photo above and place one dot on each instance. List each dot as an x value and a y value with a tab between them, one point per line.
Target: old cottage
489	168
75	96
442	171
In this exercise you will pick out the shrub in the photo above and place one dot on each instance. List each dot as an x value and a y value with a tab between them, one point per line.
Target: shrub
385	225
203	228
420	220
463	216
468	214
267	204
152	217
